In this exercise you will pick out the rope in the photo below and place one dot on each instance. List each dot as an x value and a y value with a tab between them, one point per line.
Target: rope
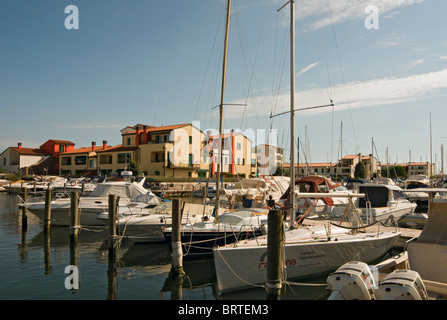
237	276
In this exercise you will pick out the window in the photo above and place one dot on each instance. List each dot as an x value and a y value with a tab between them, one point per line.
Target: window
157	173
66	161
190	139
124	157
79	160
105	159
128	141
61	148
238	146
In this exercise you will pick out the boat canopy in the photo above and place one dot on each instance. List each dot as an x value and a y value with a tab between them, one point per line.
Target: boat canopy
120	189
240	217
314	184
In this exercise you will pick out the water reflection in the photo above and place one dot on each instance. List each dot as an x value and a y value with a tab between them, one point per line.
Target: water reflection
135	271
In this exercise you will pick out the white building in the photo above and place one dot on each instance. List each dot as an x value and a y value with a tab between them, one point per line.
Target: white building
18	159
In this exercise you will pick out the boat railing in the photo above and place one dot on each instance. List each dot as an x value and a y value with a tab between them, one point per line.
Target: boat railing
243	227
369	215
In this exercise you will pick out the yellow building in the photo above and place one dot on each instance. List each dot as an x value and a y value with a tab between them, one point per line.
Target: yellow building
180	150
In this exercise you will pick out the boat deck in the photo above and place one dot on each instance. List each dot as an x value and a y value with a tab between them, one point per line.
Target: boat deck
406	233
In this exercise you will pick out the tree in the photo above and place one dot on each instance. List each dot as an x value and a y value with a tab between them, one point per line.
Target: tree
393	172
359	171
135	167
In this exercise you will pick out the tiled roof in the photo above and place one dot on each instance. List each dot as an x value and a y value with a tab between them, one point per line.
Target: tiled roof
28	151
61	141
164	128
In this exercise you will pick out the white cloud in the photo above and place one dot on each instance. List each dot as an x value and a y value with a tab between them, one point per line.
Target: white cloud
376	92
343	10
307	68
415	63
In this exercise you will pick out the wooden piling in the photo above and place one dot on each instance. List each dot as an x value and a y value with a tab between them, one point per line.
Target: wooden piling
112	222
24	217
275	240
176	243
47	218
74	216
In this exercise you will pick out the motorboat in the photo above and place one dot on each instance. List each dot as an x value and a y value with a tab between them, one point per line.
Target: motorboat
320	207
141	223
89	206
417	182
84	185
199	239
382	202
417	219
33	184
210	192
308	251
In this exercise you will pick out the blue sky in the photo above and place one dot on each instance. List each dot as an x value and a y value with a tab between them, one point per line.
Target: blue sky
159	62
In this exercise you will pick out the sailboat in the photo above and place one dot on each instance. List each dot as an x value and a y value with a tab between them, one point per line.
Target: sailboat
308	250
198	239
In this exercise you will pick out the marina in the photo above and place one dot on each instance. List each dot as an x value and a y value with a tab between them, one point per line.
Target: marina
172	209
35	261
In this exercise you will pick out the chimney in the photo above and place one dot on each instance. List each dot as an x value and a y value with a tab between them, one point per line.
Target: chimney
145	134
93	145
104	144
19	145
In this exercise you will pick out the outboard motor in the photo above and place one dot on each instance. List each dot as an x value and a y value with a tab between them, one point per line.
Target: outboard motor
402	285
352	281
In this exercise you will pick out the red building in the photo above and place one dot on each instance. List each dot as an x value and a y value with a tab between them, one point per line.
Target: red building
54	147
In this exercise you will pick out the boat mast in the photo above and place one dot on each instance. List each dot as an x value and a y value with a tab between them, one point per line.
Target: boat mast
224	67
292	111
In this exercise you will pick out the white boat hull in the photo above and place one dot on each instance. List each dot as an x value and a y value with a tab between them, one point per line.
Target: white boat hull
60	213
147	225
385	213
240	267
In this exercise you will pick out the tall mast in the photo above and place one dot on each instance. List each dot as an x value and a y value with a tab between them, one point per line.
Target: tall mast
292	111
224	68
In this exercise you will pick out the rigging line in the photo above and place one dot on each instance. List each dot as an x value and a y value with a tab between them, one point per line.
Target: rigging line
207	66
285	45
342	74
280	80
250	83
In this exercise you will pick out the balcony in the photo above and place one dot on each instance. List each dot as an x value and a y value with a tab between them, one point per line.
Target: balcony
183	165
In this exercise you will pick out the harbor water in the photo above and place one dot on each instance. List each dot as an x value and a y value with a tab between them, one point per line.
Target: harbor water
38	265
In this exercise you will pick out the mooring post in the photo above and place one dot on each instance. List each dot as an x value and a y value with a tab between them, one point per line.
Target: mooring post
74	216
47	218
24	217
176	243
275	239
112	222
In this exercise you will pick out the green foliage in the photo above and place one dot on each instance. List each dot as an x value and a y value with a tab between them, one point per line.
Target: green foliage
394	172
359	171
135	168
